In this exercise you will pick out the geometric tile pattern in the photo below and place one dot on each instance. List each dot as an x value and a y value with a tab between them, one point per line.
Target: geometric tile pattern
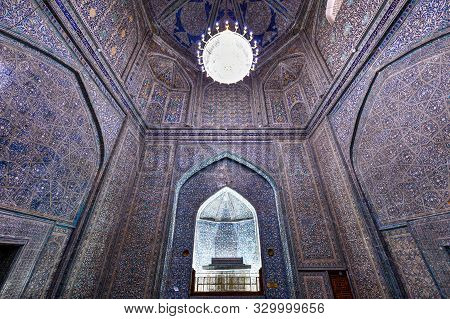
401	149
194	192
365	273
336	41
31	234
27	19
312	233
93	254
117	26
107	111
433	237
49	152
412	269
315	285
420	20
48	142
227	106
289	93
46	265
137	255
159	88
134	276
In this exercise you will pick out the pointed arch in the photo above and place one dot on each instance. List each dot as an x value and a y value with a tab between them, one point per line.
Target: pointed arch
285	243
224	209
221	192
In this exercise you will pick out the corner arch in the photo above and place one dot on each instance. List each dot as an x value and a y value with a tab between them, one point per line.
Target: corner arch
44	104
181	70
272	69
406	61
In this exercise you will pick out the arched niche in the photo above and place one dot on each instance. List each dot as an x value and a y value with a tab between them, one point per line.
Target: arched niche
160	88
227	253
192	190
171	91
288	92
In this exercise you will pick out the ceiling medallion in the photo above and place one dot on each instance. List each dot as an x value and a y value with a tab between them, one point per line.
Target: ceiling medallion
227	56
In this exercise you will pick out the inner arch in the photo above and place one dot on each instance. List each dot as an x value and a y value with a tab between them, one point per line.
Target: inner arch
227	254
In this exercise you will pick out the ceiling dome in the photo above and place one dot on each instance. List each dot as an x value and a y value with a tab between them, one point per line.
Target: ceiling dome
184	21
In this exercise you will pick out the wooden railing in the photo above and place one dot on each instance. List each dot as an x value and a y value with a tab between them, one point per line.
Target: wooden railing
226	284
222	283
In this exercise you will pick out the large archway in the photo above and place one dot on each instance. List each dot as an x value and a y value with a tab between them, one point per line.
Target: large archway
258	189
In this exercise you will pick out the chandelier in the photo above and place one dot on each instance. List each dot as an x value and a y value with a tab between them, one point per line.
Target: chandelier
227	56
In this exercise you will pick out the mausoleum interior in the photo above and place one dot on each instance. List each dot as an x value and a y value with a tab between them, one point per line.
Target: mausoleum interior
224	149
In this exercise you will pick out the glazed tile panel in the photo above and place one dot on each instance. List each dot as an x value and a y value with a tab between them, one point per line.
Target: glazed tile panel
294	81
193	193
49	153
400	150
108	113
290	94
420	19
315	285
159	87
117	26
136	259
336	41
84	278
25	18
185	21
262	154
311	227
46	265
227	106
30	20
410	265
365	273
32	235
433	238
143	235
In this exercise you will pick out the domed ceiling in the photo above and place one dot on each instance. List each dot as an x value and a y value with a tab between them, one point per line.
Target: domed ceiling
184	21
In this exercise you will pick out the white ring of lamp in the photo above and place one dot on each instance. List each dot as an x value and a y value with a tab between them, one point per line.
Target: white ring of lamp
228	56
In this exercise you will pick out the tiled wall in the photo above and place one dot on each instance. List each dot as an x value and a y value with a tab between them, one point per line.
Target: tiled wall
92	256
165	167
160	87
336	41
118	28
388	129
59	128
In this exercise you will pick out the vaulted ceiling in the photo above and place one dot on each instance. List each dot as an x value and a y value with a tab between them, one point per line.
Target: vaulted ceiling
182	22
